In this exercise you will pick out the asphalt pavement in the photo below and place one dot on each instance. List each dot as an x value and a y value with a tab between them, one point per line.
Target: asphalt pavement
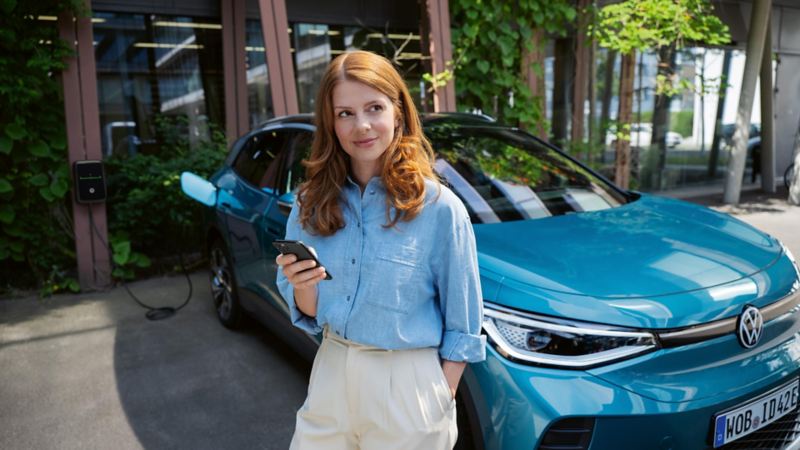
90	371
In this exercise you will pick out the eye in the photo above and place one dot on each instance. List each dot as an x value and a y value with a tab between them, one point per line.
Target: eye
375	108
344	113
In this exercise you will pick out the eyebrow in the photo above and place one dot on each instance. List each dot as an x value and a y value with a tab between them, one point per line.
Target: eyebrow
365	104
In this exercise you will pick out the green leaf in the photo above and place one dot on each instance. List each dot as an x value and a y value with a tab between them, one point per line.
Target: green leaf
58	142
7	6
59	187
39	180
17	246
5	186
122	252
39	149
483	66
46	194
6	145
7	215
15	131
142	260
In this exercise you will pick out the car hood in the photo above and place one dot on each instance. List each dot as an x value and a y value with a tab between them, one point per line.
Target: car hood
654	249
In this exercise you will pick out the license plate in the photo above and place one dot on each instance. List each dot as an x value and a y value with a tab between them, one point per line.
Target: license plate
756	414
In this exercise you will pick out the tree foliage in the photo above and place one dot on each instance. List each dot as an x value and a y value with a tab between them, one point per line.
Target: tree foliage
36	241
489	41
650	24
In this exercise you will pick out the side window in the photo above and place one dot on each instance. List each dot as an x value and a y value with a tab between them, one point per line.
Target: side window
299	149
259	161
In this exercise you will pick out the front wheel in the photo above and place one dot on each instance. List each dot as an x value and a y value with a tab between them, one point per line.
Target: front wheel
223	286
788	175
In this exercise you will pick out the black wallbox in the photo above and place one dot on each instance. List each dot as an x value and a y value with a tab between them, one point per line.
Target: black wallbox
90	181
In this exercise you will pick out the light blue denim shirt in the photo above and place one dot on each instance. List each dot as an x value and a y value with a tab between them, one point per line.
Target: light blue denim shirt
411	286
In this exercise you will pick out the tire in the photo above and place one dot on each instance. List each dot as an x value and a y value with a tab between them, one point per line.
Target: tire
788	175
223	286
466	436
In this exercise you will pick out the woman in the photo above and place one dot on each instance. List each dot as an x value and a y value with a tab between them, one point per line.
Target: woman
402	314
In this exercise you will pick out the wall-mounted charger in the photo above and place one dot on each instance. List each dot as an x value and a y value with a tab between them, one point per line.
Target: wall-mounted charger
90	181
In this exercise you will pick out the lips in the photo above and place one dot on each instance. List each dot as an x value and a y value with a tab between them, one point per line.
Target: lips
365	142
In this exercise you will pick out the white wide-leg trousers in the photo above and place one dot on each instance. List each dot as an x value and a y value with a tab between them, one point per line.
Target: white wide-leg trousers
365	398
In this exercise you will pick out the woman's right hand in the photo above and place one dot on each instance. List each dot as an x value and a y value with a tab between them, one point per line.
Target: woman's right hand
300	274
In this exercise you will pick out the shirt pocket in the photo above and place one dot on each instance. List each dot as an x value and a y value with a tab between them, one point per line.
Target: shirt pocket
399	277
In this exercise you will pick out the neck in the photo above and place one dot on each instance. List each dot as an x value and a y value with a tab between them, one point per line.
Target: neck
362	173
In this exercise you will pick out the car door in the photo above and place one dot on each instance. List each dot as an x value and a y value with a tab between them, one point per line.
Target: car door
258	169
292	174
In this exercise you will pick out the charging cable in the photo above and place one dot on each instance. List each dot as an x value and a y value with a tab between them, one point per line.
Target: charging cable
153	313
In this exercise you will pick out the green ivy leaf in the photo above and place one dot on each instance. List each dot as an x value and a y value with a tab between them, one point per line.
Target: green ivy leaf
122	252
39	180
46	194
58	142
7	214
7	6
6	145
483	66
39	149
72	285
15	131
5	186
59	187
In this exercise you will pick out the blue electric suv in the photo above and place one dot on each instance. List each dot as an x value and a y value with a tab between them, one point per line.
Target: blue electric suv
615	319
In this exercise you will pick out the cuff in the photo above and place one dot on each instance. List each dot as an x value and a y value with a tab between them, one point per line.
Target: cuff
462	347
299	319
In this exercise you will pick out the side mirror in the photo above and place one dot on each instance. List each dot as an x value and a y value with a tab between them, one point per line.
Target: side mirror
198	188
285	203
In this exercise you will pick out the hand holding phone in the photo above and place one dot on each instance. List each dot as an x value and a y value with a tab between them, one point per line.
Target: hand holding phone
300	250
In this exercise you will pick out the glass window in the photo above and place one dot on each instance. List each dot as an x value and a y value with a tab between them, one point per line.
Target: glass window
299	150
502	176
258	162
156	72
315	45
259	96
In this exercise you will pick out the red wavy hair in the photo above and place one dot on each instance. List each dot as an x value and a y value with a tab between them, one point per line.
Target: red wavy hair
406	163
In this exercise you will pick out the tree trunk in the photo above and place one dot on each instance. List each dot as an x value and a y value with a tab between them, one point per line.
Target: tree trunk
605	102
531	59
666	67
581	74
767	157
714	156
562	79
755	48
622	166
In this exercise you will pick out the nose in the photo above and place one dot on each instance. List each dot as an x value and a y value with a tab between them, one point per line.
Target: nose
363	123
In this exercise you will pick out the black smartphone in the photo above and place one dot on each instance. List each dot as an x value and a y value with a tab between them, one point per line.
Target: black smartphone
299	249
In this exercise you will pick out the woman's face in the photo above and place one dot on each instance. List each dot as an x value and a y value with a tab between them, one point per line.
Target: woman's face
364	122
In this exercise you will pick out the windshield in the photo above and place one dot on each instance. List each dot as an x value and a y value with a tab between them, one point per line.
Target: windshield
504	175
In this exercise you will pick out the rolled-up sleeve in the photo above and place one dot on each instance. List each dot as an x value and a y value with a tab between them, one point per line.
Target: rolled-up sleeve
458	284
299	319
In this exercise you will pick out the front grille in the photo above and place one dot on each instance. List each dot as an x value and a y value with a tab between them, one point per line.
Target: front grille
776	435
568	434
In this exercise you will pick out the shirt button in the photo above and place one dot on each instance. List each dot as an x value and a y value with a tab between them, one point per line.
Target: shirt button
348	298
353	261
371	192
358	224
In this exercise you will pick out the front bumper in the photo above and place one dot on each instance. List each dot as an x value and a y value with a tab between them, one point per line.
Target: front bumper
662	400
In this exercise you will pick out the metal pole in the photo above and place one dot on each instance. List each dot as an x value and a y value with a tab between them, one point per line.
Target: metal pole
767	117
755	49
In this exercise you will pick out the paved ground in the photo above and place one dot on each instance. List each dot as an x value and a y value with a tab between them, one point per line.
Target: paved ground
90	372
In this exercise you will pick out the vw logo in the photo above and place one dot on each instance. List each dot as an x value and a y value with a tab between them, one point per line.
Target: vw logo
751	324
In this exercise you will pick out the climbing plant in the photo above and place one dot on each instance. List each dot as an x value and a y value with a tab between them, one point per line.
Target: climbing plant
490	39
36	239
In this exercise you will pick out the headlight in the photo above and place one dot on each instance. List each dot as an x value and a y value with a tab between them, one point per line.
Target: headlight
791	258
567	345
